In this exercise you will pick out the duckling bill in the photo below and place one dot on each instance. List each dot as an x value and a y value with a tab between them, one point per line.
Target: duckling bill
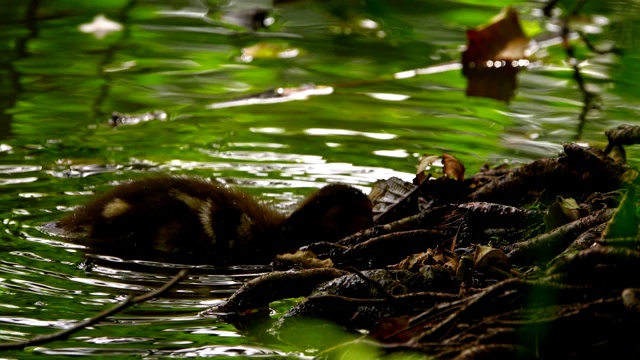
193	219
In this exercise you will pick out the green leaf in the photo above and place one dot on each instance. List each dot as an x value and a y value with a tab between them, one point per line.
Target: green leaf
624	223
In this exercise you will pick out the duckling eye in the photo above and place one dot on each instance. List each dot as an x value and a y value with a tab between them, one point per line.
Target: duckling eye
115	208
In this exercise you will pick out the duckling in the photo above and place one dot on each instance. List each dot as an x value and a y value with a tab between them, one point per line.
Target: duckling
193	219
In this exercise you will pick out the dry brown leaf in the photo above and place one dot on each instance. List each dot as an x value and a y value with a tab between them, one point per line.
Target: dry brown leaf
392	199
494	54
563	211
502	39
486	257
437	256
422	174
414	262
453	168
571	209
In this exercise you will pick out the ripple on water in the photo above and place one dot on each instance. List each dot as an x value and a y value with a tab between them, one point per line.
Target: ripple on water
12	169
209	351
94	352
25	286
18	169
203	351
58	324
103	340
14	181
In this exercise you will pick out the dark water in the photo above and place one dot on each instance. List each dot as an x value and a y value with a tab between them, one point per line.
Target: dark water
368	118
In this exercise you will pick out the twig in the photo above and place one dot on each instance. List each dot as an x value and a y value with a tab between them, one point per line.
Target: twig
546	10
589	98
129	301
613	49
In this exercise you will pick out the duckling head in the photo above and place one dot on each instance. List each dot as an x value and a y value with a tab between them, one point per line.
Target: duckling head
331	213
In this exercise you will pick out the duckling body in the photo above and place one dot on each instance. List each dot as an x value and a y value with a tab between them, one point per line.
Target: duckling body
195	219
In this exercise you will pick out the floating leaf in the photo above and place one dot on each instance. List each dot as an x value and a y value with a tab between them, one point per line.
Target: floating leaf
494	54
502	39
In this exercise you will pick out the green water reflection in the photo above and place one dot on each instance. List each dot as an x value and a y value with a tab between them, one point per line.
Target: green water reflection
60	84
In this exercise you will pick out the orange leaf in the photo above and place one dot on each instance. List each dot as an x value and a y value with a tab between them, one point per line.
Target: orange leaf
453	167
494	54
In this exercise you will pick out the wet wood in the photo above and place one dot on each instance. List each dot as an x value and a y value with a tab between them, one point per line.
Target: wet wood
418	283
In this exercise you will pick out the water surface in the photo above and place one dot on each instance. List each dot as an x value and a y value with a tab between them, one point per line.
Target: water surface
61	79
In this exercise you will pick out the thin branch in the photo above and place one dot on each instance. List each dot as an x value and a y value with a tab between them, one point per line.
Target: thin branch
546	10
129	301
589	98
612	50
